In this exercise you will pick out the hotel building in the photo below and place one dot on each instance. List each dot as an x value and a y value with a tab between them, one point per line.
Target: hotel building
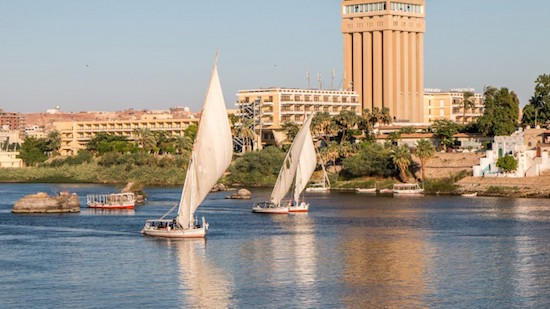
271	107
384	56
440	105
75	134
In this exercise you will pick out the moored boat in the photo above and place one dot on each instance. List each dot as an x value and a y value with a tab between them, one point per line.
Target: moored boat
111	201
366	190
474	194
211	155
407	189
323	185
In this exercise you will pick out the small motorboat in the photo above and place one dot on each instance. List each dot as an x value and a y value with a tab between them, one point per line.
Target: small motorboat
366	190
469	194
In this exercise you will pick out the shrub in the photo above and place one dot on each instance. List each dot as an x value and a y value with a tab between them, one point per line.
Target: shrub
372	160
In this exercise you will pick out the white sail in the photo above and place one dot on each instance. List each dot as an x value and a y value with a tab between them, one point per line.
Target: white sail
306	166
290	164
212	152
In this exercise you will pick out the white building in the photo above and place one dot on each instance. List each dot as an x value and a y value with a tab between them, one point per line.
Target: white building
528	147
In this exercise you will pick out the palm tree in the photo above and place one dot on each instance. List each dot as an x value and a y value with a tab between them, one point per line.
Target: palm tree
323	126
247	133
401	157
377	116
330	153
54	142
424	150
467	102
145	139
346	121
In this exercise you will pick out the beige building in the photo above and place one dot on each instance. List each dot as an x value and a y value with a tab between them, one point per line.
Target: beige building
448	105
384	55
75	134
270	108
10	159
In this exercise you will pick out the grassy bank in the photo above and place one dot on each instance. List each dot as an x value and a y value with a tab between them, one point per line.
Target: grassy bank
94	173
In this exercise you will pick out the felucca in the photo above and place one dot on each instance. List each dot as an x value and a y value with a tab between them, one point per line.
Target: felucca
211	155
301	146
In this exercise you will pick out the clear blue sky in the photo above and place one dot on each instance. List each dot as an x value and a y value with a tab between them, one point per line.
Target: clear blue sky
112	55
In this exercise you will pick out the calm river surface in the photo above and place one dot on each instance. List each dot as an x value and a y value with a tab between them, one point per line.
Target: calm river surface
350	251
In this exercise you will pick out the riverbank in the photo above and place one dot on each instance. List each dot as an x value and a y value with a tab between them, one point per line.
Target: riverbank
527	187
455	184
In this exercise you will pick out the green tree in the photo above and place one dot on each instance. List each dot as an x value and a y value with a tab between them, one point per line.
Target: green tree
507	163
424	150
501	112
444	130
291	130
466	103
371	160
191	131
33	151
257	168
53	142
346	121
324	126
371	119
401	157
393	139
145	139
538	109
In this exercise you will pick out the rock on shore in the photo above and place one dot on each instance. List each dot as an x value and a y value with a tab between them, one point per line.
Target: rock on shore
242	194
43	203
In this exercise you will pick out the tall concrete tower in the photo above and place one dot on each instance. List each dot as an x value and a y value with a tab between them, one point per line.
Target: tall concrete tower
384	55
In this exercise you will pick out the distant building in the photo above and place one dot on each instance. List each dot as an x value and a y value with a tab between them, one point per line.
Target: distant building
35	131
447	105
270	108
9	159
75	134
384	55
13	121
9	137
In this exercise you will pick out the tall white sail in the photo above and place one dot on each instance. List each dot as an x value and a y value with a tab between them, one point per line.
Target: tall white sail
212	152
290	164
306	166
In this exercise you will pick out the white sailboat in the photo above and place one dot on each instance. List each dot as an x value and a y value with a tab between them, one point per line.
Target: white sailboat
306	167
323	185
211	155
287	173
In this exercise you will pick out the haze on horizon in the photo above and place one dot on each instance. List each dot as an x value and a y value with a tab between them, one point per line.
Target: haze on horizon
113	55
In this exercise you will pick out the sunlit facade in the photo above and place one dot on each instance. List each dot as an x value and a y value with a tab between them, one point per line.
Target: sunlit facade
384	55
75	135
448	105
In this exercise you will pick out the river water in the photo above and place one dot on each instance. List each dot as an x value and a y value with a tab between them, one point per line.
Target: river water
349	251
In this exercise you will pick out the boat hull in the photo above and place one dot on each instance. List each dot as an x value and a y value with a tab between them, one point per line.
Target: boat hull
408	193
270	210
320	190
100	206
371	191
300	208
177	233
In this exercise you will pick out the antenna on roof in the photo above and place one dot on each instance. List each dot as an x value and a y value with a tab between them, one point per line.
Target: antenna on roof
307	78
332	77
320	81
